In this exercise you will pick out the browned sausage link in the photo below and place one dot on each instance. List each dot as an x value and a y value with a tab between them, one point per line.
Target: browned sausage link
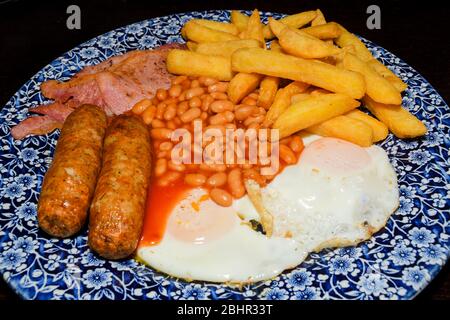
69	184
117	210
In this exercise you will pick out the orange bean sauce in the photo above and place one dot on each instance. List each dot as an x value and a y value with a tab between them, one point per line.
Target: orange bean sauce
161	200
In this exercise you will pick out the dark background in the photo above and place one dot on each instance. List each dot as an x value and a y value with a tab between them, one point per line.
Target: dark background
33	33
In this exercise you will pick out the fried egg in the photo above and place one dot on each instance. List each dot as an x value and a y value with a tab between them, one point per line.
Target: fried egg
338	194
204	241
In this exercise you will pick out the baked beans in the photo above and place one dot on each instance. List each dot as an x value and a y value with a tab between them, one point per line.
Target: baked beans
190	115
249	101
221	197
156	123
242	112
179	79
218	87
195	102
217	179
205	99
175	91
168	177
296	144
219	95
161	133
221	106
206	81
170	112
235	183
161	94
194	92
195	179
287	155
141	106
149	114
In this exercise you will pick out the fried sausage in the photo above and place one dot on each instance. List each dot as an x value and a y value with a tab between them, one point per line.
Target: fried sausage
117	210
69	184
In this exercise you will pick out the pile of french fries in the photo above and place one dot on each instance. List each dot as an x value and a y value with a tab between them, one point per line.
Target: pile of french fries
330	72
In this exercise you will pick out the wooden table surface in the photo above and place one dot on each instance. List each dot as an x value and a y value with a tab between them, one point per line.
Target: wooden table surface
34	33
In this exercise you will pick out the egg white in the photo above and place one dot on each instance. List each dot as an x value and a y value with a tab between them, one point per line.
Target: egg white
239	255
321	209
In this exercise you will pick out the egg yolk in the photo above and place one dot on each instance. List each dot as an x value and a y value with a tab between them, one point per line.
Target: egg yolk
198	226
334	155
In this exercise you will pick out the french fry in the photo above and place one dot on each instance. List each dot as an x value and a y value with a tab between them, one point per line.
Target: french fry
388	74
255	28
319	19
282	101
377	87
267	91
317	92
275	46
299	97
399	121
276	26
295	21
349	39
216	25
345	128
323	33
312	111
320	74
349	49
199	64
329	30
183	33
303	45
379	129
239	19
192	46
226	48
242	85
199	33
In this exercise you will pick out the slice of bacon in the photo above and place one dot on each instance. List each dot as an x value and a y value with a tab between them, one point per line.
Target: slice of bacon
131	77
114	85
83	89
57	111
117	60
35	126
